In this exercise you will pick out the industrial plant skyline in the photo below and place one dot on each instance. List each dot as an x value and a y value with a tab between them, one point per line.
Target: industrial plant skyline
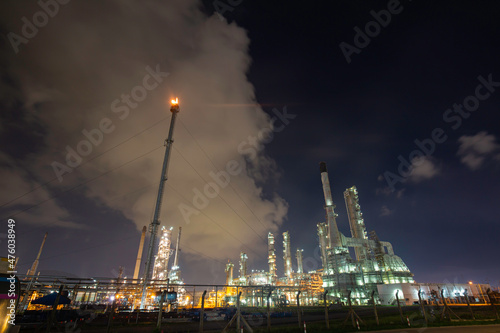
399	98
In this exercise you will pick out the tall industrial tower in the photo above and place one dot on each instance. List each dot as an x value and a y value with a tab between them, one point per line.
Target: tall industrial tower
333	233
299	256
375	261
175	273
356	222
287	255
229	273
174	108
139	254
323	243
34	267
271	257
160	269
243	266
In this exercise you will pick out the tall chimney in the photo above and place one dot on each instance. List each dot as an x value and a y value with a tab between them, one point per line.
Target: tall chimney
139	254
333	230
34	267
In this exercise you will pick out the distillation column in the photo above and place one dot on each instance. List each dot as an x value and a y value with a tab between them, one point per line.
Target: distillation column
287	255
243	267
174	274
356	222
160	269
229	273
177	247
323	245
271	258
333	230
299	256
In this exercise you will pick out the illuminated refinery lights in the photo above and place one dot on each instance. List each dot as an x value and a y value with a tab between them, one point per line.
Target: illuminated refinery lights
271	259
243	267
175	273
375	261
299	256
287	255
160	270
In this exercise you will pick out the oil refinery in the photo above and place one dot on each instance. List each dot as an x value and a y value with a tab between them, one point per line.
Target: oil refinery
374	264
373	273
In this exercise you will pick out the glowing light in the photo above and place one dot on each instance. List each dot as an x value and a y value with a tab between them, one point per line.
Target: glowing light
175	101
470	282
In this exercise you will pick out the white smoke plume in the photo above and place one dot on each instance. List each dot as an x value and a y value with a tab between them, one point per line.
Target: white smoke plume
74	75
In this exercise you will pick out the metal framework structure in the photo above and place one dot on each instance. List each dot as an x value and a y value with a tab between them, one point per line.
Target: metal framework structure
374	263
341	275
271	258
287	254
160	269
175	273
95	293
156	218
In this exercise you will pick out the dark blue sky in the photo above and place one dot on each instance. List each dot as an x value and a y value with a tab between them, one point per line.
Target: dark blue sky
360	117
357	116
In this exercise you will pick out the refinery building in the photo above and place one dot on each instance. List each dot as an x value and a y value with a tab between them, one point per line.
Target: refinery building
373	273
374	263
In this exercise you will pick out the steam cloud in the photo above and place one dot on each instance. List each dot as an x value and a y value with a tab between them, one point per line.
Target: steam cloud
65	80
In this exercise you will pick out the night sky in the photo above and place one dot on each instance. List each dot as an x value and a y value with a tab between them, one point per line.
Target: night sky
407	111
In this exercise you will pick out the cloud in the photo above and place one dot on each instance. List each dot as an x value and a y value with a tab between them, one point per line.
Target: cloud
384	211
388	191
422	168
70	74
384	191
474	149
16	184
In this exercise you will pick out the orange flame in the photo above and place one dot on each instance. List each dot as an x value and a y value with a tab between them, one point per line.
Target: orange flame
175	101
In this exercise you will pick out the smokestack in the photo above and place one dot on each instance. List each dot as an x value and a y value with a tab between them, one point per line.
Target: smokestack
287	255
333	231
299	256
34	267
322	167
271	258
139	254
